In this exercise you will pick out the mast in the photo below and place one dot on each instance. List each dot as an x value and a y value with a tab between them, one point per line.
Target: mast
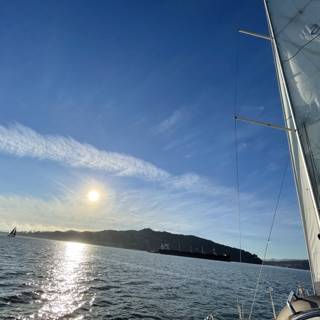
304	187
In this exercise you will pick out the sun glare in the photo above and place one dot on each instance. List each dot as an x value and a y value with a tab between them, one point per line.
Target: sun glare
93	196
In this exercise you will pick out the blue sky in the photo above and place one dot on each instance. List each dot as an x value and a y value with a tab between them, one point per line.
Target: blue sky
136	99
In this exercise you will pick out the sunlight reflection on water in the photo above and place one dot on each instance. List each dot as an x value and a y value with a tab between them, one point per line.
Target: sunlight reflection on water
41	279
62	290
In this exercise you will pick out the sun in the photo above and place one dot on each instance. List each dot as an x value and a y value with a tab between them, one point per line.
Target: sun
93	196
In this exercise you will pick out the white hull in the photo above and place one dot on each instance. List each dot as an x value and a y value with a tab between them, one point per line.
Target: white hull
303	308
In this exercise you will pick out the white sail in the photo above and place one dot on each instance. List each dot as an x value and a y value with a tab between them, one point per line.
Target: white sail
295	30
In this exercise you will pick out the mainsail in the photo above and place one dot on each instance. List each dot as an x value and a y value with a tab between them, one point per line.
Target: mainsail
295	34
13	232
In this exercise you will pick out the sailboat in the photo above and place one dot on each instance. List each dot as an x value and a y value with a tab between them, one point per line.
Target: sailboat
294	34
13	232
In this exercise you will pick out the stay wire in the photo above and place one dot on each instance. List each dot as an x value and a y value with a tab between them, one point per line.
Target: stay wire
237	196
269	238
237	179
236	154
299	12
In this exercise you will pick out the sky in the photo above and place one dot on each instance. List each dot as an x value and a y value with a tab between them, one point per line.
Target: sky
135	99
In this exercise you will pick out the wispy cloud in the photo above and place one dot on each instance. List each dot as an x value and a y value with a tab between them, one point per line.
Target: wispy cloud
153	205
184	142
22	141
59	213
198	205
139	208
119	209
168	124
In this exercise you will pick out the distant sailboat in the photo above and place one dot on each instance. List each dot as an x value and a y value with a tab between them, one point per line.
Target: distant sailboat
13	232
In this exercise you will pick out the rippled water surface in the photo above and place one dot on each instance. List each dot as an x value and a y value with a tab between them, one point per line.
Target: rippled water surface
43	279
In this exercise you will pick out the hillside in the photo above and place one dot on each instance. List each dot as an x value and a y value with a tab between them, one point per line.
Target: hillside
295	264
148	240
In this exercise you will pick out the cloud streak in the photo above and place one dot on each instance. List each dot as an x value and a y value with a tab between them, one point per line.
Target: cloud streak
25	142
209	212
141	208
169	123
22	141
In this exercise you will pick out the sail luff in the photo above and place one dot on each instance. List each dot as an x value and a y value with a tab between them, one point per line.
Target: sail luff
306	196
290	122
291	139
287	96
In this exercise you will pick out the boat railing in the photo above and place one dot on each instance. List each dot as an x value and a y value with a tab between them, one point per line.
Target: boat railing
304	315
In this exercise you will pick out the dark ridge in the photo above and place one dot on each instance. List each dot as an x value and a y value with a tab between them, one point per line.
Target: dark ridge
294	264
147	240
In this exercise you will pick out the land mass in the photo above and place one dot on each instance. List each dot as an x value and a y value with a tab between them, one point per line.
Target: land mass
148	240
295	264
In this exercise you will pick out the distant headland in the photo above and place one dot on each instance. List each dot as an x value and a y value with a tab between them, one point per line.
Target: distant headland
148	240
289	263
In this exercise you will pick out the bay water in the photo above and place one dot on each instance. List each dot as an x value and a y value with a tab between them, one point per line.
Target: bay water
45	279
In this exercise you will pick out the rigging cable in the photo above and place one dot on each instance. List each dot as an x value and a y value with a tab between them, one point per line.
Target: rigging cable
301	48
269	237
299	12
237	180
236	155
237	187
